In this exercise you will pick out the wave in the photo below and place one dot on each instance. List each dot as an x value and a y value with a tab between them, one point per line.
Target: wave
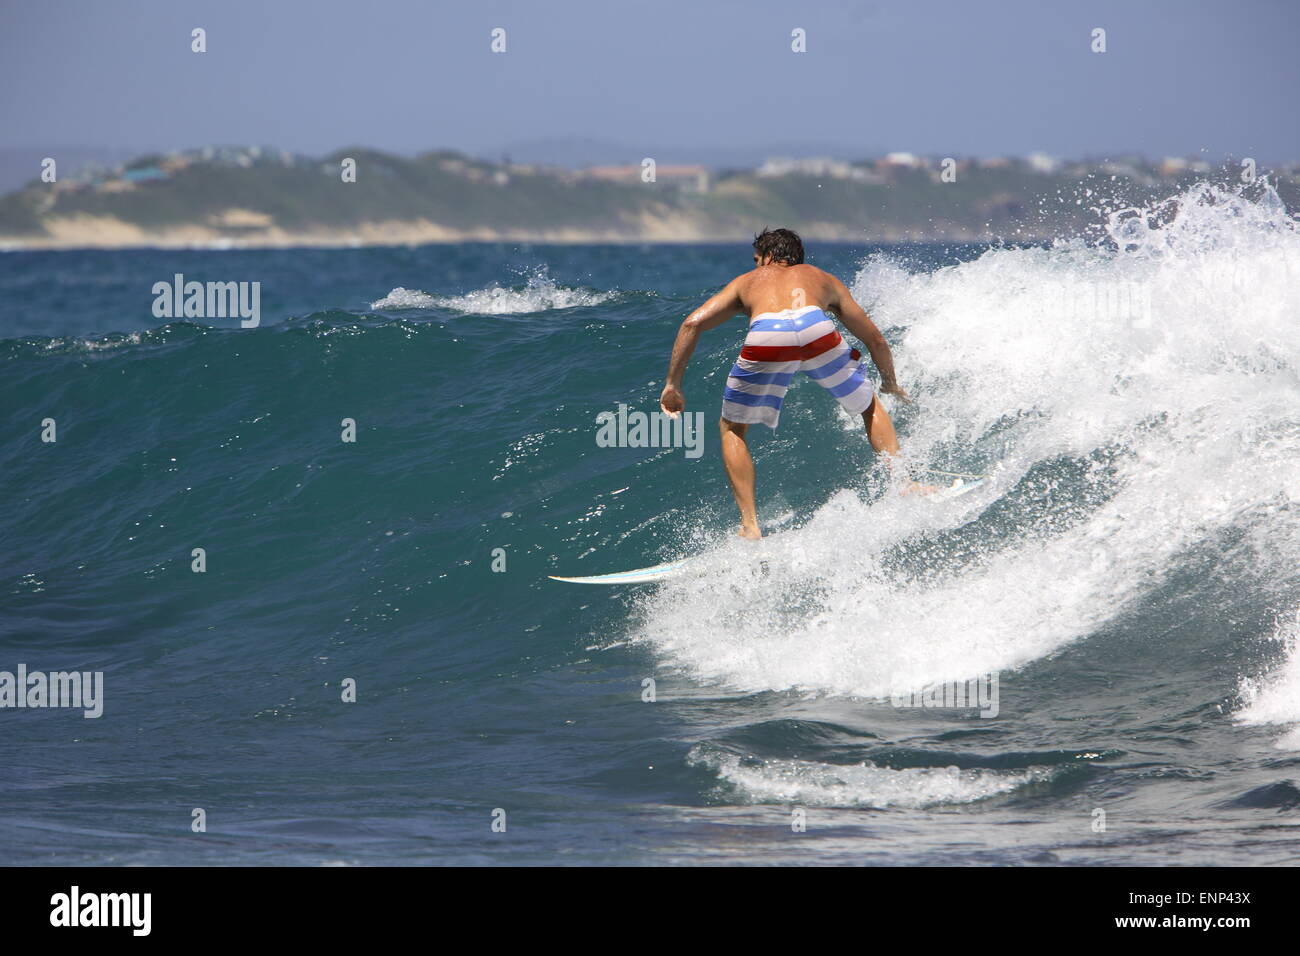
1275	699
864	785
1134	400
539	294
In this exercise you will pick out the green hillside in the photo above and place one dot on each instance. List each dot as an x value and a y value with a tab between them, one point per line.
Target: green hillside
251	194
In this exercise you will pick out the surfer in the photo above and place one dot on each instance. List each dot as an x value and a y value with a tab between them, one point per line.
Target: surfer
792	307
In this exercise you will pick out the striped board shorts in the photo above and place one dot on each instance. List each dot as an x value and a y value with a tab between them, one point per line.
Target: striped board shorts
780	344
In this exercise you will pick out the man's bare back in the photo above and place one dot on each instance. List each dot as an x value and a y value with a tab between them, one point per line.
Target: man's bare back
800	300
775	287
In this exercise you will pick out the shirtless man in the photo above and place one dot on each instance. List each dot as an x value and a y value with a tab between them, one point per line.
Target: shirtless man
791	329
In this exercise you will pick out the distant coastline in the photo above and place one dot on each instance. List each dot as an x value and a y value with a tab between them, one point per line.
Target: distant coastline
254	197
110	233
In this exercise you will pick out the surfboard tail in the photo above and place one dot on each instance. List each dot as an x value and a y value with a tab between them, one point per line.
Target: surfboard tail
658	572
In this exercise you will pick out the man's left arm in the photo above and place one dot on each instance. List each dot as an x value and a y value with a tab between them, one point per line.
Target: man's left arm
710	315
857	321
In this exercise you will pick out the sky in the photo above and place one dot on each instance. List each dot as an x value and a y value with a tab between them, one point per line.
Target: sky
710	80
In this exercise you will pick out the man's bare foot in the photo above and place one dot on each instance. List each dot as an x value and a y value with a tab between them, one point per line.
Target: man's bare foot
752	533
916	488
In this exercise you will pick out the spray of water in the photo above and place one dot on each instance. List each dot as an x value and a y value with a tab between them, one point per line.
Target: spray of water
538	294
1133	400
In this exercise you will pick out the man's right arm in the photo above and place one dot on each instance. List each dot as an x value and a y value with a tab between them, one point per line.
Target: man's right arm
857	321
710	315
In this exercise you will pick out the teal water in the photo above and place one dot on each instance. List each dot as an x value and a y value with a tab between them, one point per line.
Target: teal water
1129	572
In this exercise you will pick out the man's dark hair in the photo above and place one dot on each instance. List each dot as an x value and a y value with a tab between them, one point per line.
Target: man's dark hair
783	245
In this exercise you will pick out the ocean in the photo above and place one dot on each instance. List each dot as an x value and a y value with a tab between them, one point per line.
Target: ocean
372	666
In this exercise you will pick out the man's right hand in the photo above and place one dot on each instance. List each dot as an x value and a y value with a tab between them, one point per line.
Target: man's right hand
897	391
672	401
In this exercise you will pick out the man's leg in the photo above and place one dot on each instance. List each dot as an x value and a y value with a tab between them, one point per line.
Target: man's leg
740	472
880	429
880	432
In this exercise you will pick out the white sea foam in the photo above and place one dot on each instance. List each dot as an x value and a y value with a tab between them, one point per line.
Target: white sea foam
1275	699
860	785
538	295
95	344
1027	356
401	298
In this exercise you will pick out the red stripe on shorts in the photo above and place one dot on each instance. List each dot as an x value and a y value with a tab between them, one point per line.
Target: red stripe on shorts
791	353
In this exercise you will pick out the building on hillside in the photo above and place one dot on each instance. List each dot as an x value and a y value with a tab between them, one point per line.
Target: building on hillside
907	160
1172	166
144	174
822	166
1042	163
694	179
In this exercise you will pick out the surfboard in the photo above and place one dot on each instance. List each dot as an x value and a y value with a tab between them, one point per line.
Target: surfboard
673	569
958	488
659	572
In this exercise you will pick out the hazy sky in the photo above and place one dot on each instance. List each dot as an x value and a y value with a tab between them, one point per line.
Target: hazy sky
670	78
